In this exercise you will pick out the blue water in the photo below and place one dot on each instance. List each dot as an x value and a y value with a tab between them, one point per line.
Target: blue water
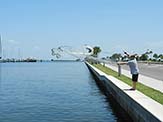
51	92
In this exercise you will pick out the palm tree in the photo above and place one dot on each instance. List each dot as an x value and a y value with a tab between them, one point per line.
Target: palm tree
149	52
96	51
116	56
144	57
161	56
155	56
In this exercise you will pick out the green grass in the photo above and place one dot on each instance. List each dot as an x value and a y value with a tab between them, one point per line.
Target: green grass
150	92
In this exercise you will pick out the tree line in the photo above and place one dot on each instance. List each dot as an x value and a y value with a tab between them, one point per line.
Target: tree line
146	56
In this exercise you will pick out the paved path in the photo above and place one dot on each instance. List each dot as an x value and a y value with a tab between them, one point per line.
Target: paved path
146	103
152	70
143	78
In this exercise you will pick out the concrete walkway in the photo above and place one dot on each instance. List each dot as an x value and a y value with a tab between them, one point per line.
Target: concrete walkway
139	106
148	81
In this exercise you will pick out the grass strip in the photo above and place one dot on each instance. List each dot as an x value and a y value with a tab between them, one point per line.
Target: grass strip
150	92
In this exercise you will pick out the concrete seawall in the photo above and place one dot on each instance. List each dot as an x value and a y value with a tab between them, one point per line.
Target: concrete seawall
140	107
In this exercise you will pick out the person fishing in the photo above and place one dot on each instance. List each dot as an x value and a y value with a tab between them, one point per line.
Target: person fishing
132	63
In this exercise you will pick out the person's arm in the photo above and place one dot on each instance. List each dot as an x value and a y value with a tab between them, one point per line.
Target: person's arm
121	63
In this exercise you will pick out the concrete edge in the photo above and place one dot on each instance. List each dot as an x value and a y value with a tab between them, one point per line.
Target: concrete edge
137	105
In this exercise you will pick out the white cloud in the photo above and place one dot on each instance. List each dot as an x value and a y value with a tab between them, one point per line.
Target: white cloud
36	48
13	42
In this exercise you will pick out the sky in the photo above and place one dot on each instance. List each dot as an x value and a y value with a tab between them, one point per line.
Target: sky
30	28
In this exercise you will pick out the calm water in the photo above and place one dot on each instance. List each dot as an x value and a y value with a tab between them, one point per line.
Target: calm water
52	92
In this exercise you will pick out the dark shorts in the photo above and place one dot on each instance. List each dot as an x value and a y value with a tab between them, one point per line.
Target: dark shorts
135	77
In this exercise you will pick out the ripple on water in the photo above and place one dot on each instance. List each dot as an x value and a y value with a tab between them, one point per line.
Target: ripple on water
52	92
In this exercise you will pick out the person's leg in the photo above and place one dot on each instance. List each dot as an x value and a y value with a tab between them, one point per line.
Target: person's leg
133	84
134	81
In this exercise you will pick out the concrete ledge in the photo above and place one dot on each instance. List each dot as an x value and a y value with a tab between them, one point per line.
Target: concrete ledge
140	107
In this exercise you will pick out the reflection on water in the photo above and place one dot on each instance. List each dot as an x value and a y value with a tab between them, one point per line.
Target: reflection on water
52	92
